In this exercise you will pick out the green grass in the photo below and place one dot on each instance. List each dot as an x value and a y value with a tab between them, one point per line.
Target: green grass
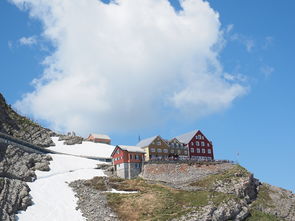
263	198
227	176
257	215
158	202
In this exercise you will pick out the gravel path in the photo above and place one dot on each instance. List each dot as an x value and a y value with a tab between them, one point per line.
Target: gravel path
92	203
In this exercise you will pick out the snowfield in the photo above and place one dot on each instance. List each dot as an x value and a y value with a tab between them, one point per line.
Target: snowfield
87	149
53	199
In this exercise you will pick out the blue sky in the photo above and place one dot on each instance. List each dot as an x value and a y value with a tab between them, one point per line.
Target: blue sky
259	48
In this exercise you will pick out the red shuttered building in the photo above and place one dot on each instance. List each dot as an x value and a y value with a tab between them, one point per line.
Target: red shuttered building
128	161
199	147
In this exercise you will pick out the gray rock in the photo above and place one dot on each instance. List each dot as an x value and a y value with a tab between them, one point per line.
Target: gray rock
92	202
70	139
16	168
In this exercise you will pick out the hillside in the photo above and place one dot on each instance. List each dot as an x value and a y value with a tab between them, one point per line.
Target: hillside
21	127
177	191
199	191
17	166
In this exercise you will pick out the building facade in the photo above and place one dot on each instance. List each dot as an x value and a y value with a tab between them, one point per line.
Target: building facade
177	149
127	161
198	146
99	138
155	148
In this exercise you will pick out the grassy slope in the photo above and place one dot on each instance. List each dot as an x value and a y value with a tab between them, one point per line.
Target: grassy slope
160	202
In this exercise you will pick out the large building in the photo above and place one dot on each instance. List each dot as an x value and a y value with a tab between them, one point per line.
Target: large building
128	161
199	147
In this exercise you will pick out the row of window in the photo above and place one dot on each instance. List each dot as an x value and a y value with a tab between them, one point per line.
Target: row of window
118	158
200	137
176	145
158	143
198	150
135	157
159	150
198	144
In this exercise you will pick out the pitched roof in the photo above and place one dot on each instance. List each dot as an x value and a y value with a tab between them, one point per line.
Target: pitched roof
186	138
101	136
134	149
146	142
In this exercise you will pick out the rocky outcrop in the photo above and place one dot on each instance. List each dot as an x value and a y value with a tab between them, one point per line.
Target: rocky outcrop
17	164
14	196
92	202
16	168
23	128
70	139
275	201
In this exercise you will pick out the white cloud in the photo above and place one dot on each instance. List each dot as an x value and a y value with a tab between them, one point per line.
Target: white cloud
28	40
127	64
267	70
246	41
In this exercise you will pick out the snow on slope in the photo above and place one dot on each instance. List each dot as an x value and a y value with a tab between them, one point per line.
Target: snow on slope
87	148
53	199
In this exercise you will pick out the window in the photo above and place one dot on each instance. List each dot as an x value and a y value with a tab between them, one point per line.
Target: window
203	150
208	145
159	143
165	150
192	143
198	150
209	151
185	152
136	157
179	151
197	143
118	151
159	150
153	150
192	150
202	137
172	151
130	156
199	137
203	143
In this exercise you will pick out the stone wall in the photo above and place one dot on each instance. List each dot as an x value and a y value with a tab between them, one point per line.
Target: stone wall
181	172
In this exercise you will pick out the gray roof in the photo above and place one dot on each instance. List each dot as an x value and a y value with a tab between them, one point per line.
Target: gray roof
133	149
186	138
146	142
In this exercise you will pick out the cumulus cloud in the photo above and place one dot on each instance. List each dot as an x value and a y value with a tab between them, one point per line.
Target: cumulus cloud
28	41
127	64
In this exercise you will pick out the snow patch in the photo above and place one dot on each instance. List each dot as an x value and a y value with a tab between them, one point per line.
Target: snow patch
87	149
53	199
